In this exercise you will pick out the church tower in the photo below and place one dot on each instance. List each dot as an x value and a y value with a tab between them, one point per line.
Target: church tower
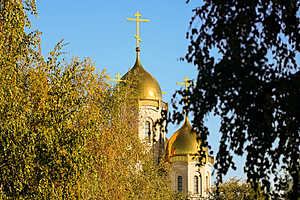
150	102
182	153
151	106
182	148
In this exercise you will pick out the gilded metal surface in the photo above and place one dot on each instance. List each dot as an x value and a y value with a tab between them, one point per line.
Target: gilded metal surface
145	102
183	141
186	83
148	87
118	78
183	146
137	20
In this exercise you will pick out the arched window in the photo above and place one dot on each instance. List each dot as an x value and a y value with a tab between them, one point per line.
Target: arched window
179	183
147	130
200	180
207	183
160	138
196	184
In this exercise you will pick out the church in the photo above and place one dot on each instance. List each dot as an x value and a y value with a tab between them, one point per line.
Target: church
181	150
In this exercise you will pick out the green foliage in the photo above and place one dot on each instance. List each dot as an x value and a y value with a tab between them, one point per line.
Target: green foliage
236	189
287	185
122	166
65	133
252	84
42	154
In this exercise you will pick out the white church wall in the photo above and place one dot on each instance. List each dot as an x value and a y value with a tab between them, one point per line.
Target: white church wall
179	169
188	171
151	114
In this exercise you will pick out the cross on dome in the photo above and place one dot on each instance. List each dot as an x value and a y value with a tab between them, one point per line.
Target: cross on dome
186	84
118	78
137	36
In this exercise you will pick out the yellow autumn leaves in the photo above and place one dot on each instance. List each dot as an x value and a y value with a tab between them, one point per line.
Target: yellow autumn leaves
65	133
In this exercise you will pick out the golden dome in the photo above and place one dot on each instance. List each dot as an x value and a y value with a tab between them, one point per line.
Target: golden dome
183	141
148	87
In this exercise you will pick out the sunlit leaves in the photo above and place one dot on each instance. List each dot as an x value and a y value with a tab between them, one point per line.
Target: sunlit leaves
65	133
236	189
252	83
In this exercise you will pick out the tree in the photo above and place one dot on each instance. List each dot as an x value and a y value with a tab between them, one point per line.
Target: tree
252	83
122	166
42	102
65	133
286	185
236	189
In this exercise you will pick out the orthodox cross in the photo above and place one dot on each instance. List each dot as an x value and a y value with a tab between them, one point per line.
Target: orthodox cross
118	78
186	83
137	36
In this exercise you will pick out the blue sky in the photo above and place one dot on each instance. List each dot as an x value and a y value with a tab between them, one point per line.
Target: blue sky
99	30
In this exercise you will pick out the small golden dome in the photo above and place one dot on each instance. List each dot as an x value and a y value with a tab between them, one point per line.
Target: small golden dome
183	141
148	87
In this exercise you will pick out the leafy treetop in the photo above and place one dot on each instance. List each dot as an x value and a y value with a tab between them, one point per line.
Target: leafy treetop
252	83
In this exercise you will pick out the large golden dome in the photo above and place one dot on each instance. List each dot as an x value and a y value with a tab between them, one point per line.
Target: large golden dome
148	87
183	141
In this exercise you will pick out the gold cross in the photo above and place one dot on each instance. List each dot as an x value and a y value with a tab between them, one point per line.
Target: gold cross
186	83
137	36
118	78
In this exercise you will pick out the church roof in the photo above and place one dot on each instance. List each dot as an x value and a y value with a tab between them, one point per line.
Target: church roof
148	87
183	141
183	145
